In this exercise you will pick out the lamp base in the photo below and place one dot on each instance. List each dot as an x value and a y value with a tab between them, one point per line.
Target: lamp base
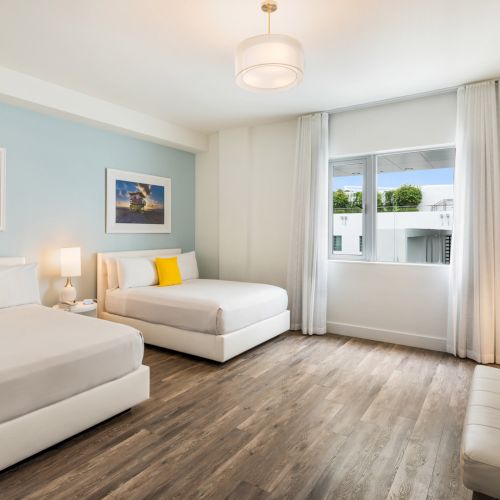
68	294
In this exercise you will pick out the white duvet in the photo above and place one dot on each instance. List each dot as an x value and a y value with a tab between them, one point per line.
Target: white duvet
48	355
206	306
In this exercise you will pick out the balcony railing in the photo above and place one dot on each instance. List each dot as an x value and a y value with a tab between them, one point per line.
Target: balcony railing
441	206
403	234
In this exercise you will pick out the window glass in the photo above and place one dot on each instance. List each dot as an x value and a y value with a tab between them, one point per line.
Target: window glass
415	206
393	207
337	243
347	186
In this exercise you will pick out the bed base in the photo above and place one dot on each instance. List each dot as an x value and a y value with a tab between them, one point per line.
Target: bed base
24	436
215	347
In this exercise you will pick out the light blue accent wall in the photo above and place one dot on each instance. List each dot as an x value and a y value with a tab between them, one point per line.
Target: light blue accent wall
56	178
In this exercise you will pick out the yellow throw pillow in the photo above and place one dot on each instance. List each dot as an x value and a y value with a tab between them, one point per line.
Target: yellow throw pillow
168	271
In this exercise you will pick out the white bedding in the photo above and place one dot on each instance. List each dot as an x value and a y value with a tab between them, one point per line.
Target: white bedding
48	355
206	306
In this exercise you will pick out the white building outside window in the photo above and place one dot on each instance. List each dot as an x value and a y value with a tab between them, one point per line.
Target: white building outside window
395	207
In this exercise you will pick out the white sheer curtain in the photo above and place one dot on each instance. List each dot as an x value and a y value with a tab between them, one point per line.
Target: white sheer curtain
308	255
474	314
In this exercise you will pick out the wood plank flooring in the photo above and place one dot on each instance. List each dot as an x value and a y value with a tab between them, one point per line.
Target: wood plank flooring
299	417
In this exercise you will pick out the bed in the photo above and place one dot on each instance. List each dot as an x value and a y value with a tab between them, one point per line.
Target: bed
61	373
213	319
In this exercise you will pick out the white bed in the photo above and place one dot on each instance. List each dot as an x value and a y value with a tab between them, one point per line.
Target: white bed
61	373
213	319
207	306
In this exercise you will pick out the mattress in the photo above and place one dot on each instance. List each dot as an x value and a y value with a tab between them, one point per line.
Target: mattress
48	355
206	306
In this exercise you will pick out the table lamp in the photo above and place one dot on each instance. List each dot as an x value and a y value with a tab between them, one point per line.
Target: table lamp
70	267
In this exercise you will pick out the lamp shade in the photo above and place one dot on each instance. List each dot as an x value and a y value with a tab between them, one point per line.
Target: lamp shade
269	62
71	262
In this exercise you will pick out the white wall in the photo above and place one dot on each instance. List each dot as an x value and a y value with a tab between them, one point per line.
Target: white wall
273	163
234	203
415	123
247	237
432	194
401	303
39	95
390	302
207	209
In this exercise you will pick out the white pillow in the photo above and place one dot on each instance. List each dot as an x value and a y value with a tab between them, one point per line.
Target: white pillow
19	285
112	273
134	272
188	266
112	269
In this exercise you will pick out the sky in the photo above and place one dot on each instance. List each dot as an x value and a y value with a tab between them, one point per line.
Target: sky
155	195
395	179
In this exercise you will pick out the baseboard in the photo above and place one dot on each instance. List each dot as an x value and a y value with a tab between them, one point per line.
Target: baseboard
391	336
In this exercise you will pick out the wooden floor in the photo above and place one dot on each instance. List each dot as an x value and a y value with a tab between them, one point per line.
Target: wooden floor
299	417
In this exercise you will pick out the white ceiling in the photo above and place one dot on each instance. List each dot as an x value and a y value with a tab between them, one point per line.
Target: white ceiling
173	59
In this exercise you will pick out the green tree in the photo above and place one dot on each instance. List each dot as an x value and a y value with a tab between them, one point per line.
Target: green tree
389	200
380	202
357	202
407	198
340	200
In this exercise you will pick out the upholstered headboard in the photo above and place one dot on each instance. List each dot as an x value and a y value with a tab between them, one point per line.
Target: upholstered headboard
102	271
12	261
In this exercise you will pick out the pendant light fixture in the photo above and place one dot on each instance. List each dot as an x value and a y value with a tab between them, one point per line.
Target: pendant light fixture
269	62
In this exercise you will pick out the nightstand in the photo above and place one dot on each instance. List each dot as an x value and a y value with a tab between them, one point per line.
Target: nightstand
79	308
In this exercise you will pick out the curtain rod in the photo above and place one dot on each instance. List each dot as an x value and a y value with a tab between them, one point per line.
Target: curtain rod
393	100
410	97
484	81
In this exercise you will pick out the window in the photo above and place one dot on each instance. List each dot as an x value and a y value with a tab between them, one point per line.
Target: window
347	193
337	243
394	207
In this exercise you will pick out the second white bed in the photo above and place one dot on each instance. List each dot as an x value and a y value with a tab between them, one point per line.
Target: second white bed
207	306
214	319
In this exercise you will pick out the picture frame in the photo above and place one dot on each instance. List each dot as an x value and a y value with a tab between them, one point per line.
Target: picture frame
137	203
3	188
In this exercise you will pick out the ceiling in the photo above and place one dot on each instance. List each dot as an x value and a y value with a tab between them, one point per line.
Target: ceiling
174	59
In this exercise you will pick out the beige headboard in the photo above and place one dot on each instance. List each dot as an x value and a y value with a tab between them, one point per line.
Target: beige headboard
12	261
102	271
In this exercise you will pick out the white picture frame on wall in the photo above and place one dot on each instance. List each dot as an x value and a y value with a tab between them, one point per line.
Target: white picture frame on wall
137	203
3	188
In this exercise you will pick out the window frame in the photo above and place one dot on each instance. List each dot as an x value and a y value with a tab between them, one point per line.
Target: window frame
365	168
370	208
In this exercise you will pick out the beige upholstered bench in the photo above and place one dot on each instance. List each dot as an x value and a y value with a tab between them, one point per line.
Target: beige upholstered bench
481	437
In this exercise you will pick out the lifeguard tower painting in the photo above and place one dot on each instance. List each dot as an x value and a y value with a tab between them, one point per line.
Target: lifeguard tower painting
138	203
141	203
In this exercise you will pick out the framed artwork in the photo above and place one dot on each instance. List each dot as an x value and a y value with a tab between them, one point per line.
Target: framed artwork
3	189
137	203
